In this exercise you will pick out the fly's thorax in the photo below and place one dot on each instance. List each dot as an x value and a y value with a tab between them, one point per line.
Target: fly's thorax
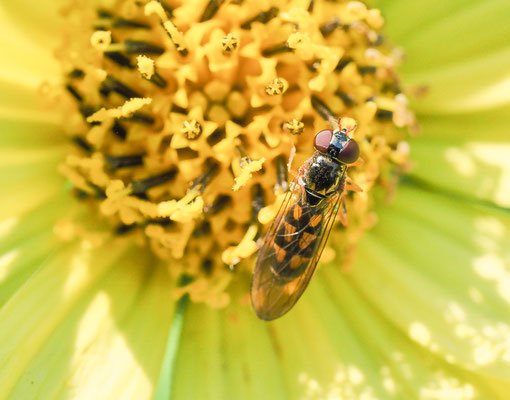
324	174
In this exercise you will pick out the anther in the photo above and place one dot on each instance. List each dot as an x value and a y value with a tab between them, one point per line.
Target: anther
207	266
82	144
74	92
264	17
86	110
311	5
110	84
119	130
322	109
120	59
217	136
277	86
202	230
191	129
124	161
141	118
346	98
281	174
367	69
257	201
384	115
76	74
211	9
123	229
211	170
277	49
135	47
329	27
343	63
177	109
242	154
219	204
158	80
294	127
140	186
110	22
230	43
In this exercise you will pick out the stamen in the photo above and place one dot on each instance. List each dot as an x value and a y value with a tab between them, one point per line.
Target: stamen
277	86
191	129
141	118
367	69
346	98
343	63
123	229
119	23
211	9
101	40
217	136
135	47
83	144
264	17
140	186
294	127
119	130
76	74
125	161
385	115
329	27
74	92
257	201
277	49
110	84
120	59
230	43
281	185
323	110
211	170
174	34
125	110
148	70
220	203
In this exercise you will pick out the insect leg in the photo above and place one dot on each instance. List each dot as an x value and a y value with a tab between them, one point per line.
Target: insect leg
342	214
350	185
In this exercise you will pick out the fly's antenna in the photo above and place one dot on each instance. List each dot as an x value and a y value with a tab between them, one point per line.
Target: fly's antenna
347	125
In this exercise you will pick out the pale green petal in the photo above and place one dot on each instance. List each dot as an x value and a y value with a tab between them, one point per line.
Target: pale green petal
447	286
98	318
465	154
458	49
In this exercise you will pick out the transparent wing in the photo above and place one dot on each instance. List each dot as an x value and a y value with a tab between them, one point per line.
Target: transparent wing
291	250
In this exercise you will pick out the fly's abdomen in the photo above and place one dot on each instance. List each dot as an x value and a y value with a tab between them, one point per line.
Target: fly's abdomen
296	240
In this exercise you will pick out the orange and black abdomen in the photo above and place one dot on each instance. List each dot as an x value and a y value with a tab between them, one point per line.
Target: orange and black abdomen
296	239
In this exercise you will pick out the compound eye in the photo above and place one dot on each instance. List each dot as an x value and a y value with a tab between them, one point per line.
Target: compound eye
322	140
350	153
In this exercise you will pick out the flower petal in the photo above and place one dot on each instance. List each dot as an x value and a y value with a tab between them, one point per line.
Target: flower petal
465	67
465	154
456	307
38	21
88	313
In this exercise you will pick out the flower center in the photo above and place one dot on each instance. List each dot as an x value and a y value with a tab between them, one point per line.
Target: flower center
184	118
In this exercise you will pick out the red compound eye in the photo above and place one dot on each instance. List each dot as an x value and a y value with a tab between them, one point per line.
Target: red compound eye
350	153
322	140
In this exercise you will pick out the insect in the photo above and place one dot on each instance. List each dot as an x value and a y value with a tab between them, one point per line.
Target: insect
294	243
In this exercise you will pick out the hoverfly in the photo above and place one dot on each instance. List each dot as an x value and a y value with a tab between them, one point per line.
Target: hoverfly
294	243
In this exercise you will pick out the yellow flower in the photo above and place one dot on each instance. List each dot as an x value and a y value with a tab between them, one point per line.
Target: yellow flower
180	162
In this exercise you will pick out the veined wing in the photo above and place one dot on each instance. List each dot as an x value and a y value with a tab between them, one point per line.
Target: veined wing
291	250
